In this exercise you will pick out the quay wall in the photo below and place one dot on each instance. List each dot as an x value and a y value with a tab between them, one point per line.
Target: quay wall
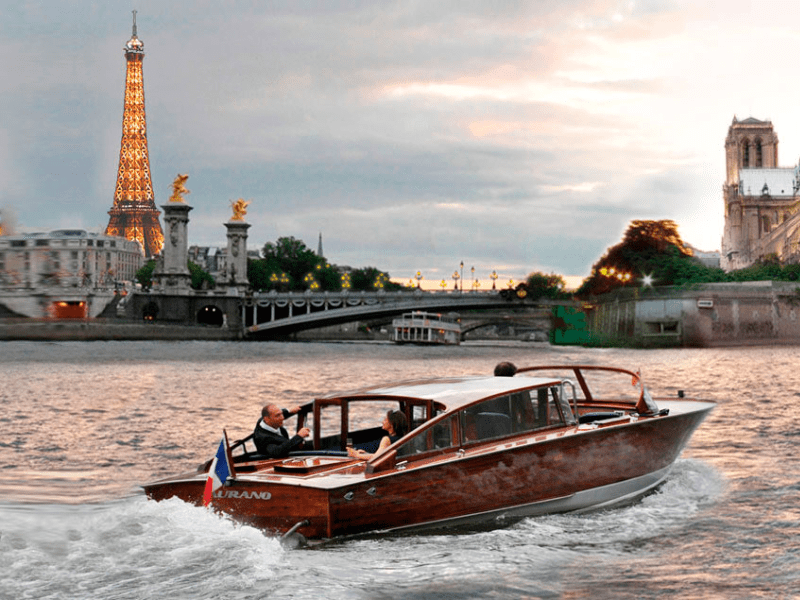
708	315
173	317
106	329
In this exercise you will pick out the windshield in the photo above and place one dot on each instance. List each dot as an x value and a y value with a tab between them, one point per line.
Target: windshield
494	418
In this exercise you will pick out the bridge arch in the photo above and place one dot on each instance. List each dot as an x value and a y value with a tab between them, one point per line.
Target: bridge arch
271	315
211	315
150	311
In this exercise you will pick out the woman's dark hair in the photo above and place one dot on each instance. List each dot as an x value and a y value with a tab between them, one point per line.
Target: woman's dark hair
398	421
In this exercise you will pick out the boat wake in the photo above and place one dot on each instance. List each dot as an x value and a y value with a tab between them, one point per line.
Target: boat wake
691	487
129	548
137	548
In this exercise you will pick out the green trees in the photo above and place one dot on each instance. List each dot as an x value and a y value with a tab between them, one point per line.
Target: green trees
288	264
651	252
291	256
542	285
144	276
200	279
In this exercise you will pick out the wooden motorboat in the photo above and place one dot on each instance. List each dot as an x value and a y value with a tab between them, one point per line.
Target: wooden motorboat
480	450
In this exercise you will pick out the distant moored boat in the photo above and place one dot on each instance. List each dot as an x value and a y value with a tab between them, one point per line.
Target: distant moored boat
426	328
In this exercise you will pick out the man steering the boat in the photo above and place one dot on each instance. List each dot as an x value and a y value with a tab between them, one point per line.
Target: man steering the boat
271	438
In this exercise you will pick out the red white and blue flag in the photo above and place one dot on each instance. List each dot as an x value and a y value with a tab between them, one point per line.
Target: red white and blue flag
219	472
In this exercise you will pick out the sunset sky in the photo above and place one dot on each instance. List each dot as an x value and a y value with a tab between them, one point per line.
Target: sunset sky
512	136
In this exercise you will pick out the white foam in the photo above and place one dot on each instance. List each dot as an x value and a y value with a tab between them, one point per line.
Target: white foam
107	550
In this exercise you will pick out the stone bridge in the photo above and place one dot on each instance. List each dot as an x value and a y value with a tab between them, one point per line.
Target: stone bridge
271	314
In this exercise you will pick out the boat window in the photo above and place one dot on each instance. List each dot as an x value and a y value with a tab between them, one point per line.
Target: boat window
366	415
563	413
329	426
418	416
519	412
437	437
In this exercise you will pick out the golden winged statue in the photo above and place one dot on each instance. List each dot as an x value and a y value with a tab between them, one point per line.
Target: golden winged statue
239	209
179	189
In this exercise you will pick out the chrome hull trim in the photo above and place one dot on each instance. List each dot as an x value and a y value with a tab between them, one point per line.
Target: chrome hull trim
622	492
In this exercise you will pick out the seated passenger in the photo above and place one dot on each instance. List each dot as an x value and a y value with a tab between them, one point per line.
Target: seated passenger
271	438
395	426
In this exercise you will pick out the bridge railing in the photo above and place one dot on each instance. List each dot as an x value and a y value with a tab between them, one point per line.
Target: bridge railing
261	309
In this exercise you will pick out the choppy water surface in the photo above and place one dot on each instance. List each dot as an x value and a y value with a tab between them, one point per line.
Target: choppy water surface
83	424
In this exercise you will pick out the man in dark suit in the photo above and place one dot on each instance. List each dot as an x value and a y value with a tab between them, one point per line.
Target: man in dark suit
270	436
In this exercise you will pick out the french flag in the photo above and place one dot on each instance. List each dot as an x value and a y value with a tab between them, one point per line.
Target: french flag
220	471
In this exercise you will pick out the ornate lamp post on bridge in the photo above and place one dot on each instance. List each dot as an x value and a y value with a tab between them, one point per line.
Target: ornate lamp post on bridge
419	279
493	277
455	279
473	278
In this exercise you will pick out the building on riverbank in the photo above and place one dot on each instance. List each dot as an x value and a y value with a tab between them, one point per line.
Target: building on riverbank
66	272
761	199
707	315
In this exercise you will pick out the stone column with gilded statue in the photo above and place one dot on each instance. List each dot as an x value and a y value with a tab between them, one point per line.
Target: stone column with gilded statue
236	274
172	271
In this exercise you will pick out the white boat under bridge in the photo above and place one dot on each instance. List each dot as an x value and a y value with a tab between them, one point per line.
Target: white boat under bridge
276	315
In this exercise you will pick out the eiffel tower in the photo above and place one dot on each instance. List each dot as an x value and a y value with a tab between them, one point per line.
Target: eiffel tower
134	214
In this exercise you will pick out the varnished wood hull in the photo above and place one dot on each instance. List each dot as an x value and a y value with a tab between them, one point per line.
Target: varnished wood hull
581	468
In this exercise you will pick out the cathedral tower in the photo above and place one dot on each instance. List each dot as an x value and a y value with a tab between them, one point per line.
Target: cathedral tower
134	214
762	200
751	144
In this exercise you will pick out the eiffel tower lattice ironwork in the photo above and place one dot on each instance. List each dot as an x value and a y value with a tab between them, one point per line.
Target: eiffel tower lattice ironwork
134	214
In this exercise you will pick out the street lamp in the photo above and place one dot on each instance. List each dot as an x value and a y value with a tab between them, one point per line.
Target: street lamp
443	284
473	279
455	279
419	278
493	277
462	275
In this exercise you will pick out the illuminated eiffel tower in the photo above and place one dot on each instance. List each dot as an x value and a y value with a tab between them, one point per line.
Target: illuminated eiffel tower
134	214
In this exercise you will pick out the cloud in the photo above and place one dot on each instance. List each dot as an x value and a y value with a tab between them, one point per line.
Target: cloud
511	135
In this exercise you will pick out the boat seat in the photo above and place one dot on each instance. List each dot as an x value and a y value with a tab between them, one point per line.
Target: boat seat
492	425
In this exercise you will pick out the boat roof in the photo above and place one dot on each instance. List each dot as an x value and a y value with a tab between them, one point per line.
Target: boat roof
453	392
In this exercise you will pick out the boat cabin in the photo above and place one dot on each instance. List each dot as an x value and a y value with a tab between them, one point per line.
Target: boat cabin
443	416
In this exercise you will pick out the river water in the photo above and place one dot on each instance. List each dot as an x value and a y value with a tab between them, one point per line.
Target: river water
84	424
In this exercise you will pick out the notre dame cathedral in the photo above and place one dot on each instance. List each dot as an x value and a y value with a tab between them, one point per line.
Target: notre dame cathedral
761	198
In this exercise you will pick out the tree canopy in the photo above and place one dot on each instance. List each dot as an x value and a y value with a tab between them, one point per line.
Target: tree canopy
542	285
651	252
199	278
288	264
